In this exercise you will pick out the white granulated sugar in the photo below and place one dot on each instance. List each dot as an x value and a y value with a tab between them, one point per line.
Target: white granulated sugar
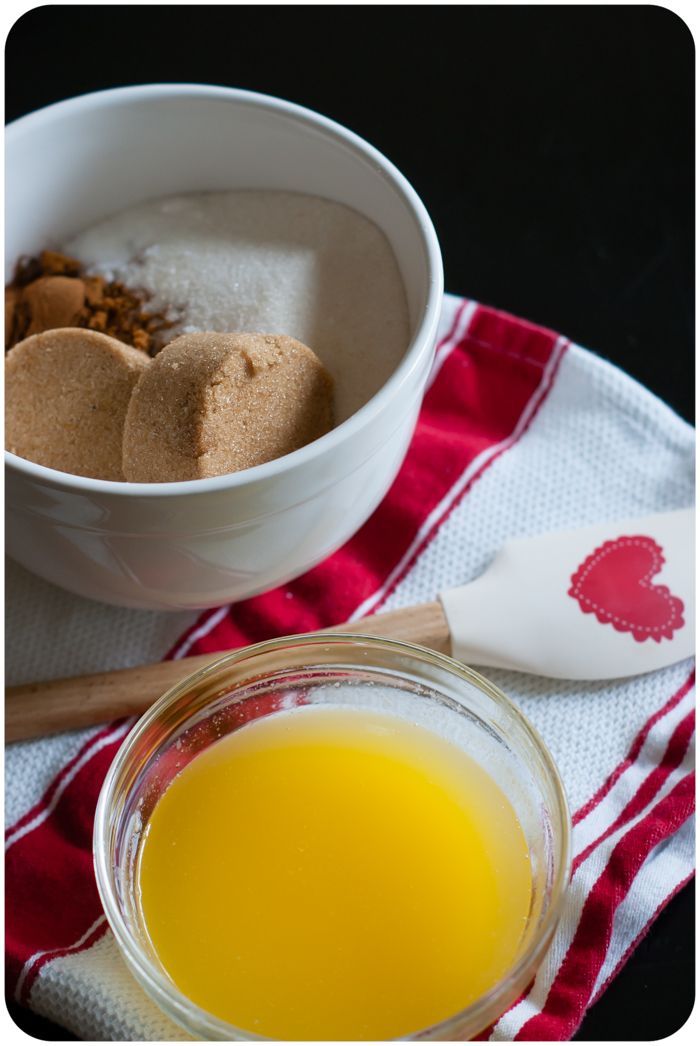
273	262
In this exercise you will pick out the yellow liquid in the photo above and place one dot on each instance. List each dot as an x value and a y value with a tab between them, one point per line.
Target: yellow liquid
330	873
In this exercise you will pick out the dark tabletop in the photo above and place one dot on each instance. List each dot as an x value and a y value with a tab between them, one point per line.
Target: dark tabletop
553	148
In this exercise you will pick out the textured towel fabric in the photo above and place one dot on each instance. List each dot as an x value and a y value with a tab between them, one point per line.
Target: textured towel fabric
520	433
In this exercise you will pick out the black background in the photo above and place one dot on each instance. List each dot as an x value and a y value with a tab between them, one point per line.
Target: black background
553	148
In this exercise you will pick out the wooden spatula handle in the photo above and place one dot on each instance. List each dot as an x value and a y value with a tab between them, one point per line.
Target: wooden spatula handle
37	709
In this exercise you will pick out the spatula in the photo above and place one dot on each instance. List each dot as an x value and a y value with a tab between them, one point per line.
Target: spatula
610	600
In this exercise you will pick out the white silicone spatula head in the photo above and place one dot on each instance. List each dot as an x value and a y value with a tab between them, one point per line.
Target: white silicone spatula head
615	599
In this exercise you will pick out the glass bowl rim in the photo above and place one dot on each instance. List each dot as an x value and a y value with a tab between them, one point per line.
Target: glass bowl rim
159	985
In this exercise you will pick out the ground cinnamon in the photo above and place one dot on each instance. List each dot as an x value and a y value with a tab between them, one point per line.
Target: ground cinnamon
52	290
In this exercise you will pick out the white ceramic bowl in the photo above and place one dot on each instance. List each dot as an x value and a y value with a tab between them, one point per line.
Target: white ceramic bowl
205	542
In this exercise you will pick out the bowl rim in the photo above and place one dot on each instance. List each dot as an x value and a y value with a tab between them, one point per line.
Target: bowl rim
160	984
420	345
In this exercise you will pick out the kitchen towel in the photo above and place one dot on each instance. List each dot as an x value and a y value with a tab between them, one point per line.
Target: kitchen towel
520	432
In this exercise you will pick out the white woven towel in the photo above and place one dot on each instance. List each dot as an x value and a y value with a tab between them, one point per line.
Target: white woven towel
594	445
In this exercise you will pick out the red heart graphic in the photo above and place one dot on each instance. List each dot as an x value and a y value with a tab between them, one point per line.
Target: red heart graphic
614	583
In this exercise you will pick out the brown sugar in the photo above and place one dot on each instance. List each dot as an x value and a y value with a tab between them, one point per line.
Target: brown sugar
211	404
66	397
53	301
52	291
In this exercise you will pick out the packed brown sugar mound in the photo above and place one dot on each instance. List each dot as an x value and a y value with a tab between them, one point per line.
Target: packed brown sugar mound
66	397
211	404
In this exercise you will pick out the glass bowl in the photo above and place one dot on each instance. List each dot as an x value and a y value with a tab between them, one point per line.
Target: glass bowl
354	671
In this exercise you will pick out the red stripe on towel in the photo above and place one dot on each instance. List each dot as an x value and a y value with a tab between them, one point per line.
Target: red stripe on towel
640	937
650	786
635	749
576	977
